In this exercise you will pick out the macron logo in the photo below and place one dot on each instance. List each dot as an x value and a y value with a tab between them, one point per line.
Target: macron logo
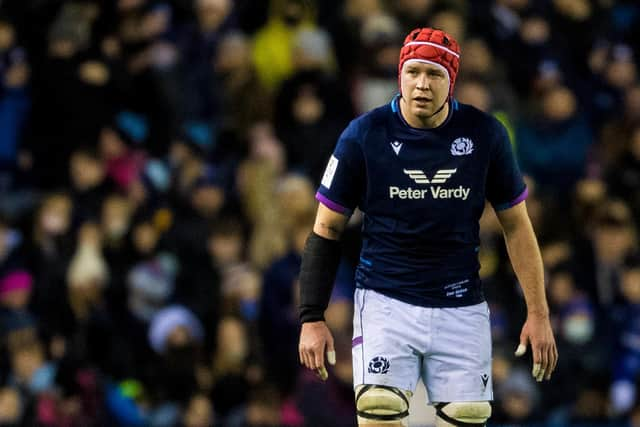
396	145
439	178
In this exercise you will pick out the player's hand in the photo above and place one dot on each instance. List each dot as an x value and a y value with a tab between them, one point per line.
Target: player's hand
315	339
537	332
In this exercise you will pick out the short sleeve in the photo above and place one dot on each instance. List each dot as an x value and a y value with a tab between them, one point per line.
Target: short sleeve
505	185
341	188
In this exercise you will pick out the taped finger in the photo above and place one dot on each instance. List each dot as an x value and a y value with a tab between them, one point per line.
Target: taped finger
322	373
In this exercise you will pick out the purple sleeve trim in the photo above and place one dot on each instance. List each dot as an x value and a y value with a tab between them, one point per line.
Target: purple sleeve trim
514	202
356	341
332	205
521	197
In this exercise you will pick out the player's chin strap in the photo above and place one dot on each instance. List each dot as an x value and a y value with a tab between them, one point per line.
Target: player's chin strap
441	107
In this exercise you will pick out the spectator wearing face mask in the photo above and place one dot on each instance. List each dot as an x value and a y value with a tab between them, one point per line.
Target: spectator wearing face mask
583	338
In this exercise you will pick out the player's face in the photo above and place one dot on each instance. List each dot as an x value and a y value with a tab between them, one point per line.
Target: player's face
424	88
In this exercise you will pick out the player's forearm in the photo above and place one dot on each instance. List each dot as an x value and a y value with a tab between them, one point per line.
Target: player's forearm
526	260
317	273
328	230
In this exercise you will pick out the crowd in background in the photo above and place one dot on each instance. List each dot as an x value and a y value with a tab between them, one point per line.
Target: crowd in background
158	164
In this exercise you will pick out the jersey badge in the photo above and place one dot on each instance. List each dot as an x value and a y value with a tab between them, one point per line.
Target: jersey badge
462	147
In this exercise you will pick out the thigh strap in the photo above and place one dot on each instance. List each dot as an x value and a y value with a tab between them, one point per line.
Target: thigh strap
440	413
389	417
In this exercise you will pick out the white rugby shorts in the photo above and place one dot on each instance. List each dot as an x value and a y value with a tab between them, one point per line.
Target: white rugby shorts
396	343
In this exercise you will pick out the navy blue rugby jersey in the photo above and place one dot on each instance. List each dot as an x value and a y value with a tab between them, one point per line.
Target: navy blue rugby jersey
422	192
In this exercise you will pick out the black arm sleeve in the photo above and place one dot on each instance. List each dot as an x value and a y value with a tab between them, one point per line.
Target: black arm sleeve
318	272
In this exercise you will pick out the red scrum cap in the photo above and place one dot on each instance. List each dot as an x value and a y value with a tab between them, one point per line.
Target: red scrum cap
433	47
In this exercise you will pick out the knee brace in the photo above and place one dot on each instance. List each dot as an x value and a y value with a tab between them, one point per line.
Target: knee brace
380	404
462	414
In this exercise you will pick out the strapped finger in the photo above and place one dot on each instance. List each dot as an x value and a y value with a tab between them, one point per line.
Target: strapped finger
544	364
322	373
537	362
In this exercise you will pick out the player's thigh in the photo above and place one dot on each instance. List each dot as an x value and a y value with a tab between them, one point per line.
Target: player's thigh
382	350
458	367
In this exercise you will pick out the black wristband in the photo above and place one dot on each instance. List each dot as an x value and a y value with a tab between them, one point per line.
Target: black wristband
317	273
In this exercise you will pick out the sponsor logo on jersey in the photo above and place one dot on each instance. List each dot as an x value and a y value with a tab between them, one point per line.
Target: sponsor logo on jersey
462	147
435	191
396	145
379	365
439	178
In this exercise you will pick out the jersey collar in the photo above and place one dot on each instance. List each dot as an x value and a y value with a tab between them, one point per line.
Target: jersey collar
395	107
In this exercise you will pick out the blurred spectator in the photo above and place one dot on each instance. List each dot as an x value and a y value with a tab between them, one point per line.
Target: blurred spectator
15	292
278	308
200	43
617	132
613	72
256	180
626	363
552	147
263	409
624	178
413	14
124	164
30	369
245	98
313	106
589	195
199	413
15	99
377	79
450	20
518	399
176	335
48	253
601	259
11	406
273	50
345	29
230	366
482	66
89	183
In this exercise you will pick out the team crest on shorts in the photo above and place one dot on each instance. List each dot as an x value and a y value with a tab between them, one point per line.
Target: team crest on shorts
462	147
379	365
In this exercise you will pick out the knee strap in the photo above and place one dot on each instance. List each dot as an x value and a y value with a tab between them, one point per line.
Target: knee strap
464	414
381	403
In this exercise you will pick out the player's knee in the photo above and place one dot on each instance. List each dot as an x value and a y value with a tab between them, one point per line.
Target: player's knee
462	414
379	404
